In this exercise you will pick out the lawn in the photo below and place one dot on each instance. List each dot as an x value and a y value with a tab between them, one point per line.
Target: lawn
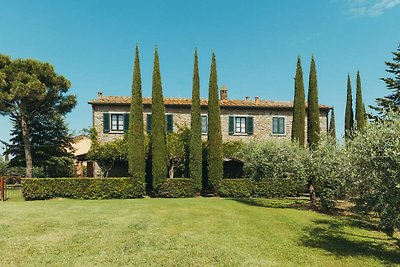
185	232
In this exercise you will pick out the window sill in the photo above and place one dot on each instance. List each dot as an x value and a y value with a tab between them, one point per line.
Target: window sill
241	134
116	132
278	134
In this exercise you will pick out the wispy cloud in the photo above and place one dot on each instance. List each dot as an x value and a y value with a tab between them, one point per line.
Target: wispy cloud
371	8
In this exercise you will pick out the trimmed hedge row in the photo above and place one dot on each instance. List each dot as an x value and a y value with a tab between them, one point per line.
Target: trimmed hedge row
177	187
82	188
268	188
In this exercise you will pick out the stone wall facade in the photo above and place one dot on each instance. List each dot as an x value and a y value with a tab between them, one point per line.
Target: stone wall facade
262	118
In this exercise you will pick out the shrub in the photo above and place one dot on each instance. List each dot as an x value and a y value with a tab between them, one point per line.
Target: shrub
82	188
277	188
177	187
236	188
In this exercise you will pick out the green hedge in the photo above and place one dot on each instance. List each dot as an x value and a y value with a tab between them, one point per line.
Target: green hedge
177	187
277	188
267	188
82	188
236	188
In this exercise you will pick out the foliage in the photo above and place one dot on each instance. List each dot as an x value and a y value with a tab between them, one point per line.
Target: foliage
136	149
236	188
196	159
332	125
271	188
29	88
299	107
313	125
50	143
177	188
375	157
231	149
360	119
178	152
106	154
349	116
158	136
272	160
82	188
327	166
390	102
214	145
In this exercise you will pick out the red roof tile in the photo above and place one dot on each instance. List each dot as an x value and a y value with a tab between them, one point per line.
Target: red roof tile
124	100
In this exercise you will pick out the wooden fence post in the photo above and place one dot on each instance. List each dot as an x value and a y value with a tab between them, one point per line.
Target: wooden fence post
2	189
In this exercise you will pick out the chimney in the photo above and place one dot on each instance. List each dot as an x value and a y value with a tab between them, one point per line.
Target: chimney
247	98
99	95
256	99
224	93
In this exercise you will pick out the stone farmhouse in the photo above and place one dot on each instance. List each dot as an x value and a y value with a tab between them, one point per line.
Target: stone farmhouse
246	120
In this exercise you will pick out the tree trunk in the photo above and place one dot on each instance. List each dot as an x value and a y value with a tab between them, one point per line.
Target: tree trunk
313	196
27	146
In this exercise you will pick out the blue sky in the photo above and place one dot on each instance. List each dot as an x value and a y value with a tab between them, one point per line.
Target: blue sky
256	45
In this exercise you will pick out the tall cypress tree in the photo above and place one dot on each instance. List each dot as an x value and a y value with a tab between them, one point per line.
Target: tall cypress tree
299	107
313	108
158	136
332	125
136	153
196	158
349	117
214	156
360	113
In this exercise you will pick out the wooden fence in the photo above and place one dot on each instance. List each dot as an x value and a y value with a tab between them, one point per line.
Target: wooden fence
9	191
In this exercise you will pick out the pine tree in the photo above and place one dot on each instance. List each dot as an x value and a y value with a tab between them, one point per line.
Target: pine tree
158	136
313	108
360	113
390	102
196	158
136	153
332	125
299	108
214	145
349	117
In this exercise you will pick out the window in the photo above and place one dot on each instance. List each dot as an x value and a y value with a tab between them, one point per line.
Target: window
204	124
117	122
240	124
169	123
278	125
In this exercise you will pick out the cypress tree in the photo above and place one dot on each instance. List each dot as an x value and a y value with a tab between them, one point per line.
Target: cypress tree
158	136
332	125
214	145
313	108
136	153
299	107
349	117
196	158
360	112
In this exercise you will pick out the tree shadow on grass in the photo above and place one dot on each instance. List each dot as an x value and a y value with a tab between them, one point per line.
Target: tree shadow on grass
331	236
275	203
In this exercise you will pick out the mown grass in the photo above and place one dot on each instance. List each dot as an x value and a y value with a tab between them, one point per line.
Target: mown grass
185	232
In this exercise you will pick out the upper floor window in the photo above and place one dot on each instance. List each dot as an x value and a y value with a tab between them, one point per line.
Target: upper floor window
117	122
241	125
278	125
204	124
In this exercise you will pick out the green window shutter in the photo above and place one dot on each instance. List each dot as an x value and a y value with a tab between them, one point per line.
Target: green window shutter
126	122
148	123
231	125
106	122
250	125
170	123
282	125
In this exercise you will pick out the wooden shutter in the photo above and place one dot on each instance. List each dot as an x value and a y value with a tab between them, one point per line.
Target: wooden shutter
126	122
231	125
170	123
148	123
249	125
106	122
282	125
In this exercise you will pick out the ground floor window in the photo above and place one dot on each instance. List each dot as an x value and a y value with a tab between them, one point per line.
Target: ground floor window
117	122
278	125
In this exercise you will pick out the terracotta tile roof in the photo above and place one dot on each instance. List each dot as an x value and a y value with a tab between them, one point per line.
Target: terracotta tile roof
124	100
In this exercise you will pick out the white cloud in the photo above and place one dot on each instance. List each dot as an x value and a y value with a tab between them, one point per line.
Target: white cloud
371	8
